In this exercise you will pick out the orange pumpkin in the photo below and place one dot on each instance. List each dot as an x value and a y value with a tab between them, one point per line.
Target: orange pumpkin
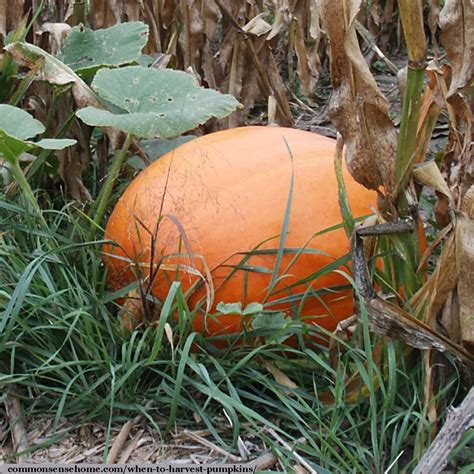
224	194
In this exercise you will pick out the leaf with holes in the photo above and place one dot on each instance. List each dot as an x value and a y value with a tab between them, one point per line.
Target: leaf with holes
154	103
86	50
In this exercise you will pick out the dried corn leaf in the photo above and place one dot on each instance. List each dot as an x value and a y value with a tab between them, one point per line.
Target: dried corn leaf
257	26
433	18
192	34
304	40
308	80
313	41
74	161
282	17
210	16
357	107
390	320
132	9
284	115
11	12
432	295
429	175
236	75
467	204
434	100
465	262
457	25
105	13
442	234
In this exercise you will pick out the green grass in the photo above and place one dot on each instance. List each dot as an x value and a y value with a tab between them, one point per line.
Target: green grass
63	347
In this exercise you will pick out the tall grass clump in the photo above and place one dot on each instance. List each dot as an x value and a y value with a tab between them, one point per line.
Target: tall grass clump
64	351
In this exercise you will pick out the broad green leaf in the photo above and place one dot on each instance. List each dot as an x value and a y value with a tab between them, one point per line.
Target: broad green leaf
252	308
229	308
270	321
16	126
10	147
18	123
86	49
160	103
54	143
236	308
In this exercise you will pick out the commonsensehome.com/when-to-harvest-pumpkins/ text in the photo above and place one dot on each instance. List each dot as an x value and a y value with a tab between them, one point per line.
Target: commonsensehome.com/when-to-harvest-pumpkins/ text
225	194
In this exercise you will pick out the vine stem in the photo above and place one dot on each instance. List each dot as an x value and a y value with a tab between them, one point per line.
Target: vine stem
104	196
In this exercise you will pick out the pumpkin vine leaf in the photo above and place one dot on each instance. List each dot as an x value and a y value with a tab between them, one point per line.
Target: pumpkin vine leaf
85	50
154	103
17	128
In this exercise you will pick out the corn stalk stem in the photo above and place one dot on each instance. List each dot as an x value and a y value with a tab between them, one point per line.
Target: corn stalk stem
104	196
411	14
409	126
79	12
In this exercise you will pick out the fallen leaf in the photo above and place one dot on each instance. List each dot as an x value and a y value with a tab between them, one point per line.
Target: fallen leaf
279	376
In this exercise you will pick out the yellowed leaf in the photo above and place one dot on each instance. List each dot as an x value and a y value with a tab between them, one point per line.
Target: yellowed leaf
279	376
429	175
132	312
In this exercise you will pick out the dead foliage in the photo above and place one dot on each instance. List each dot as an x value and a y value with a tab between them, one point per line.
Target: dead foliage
357	107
